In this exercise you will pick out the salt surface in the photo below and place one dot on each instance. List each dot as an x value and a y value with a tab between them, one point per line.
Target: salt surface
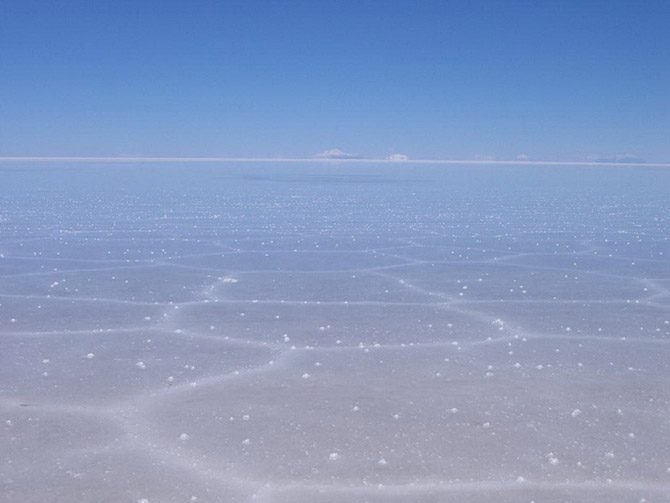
334	333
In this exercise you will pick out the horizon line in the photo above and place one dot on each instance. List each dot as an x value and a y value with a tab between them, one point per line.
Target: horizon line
325	160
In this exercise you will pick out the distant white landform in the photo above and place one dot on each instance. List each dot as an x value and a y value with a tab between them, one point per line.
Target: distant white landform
336	154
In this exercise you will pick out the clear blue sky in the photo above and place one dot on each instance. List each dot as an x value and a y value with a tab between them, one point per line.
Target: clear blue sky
553	80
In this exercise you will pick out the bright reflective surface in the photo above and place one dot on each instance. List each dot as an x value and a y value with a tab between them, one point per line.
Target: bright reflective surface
334	333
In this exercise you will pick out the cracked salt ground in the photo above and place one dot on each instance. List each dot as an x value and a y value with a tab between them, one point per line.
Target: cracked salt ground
506	282
349	287
440	432
307	335
290	260
300	324
143	284
104	368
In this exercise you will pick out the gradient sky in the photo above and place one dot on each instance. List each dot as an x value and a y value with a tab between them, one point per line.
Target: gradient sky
551	80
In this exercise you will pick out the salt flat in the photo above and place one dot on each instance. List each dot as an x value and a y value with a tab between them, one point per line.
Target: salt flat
334	333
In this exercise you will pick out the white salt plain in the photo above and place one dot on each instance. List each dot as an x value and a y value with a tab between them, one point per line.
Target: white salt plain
334	333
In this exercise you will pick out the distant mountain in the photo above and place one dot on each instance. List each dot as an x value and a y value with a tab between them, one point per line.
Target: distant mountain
336	153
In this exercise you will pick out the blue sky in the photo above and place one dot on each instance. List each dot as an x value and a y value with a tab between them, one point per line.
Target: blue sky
551	80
